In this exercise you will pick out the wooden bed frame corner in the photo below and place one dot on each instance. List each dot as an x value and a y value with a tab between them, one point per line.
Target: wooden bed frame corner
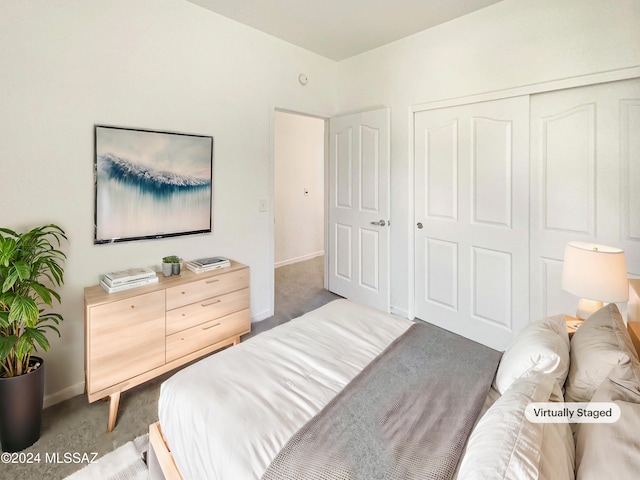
160	459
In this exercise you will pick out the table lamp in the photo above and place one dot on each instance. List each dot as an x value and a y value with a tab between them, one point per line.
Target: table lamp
596	273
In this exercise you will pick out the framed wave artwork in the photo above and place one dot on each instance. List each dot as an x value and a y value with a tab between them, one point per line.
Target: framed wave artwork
151	184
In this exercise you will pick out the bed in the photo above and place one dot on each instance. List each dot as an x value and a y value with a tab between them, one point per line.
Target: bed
268	408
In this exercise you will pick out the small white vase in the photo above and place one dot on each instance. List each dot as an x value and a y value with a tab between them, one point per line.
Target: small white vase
167	269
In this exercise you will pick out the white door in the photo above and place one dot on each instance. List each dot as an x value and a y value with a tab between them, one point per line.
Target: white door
472	219
359	207
585	166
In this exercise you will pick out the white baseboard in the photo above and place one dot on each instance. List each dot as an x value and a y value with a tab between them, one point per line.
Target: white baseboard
261	316
298	259
64	394
399	311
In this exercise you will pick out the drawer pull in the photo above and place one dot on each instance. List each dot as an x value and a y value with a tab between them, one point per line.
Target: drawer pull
211	326
213	281
211	303
133	306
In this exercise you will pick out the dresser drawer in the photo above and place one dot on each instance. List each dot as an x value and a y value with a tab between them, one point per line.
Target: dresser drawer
204	310
206	288
195	338
126	338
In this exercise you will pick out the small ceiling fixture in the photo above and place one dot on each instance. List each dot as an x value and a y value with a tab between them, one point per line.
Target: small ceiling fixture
302	78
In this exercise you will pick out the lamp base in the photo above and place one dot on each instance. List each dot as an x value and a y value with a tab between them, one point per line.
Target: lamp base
587	307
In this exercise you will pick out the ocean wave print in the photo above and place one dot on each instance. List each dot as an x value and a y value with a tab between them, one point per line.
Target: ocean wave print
147	179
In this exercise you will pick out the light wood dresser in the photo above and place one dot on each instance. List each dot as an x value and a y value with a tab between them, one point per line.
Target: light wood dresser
136	335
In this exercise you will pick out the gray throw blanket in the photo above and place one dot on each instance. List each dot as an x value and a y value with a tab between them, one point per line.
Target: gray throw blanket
407	415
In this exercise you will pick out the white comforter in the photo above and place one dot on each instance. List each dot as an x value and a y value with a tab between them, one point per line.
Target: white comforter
227	416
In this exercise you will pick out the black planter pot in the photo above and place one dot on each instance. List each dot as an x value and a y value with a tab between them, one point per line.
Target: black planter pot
21	409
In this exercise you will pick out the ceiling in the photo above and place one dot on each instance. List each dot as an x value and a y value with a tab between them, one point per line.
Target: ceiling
338	29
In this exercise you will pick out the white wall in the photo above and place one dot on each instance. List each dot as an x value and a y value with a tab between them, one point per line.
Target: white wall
299	168
509	44
160	64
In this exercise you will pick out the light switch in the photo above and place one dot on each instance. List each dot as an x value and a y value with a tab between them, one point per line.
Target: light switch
262	205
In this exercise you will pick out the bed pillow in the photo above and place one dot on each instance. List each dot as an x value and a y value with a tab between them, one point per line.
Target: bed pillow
505	445
610	450
601	343
541	346
558	324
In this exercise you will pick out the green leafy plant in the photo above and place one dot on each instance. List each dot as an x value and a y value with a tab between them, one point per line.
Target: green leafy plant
31	266
171	259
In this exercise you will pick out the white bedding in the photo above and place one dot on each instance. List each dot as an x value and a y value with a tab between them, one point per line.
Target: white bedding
227	416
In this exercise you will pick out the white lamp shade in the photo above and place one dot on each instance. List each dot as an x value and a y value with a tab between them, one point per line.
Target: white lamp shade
595	272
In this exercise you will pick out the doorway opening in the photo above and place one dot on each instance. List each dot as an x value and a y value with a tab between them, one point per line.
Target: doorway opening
299	158
299	207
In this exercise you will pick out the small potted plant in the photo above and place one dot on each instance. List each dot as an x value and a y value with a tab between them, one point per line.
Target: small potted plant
171	265
31	266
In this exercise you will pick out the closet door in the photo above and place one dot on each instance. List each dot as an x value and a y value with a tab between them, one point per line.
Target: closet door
585	173
472	219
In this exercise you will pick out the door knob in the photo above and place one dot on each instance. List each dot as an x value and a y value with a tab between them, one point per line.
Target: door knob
381	223
419	225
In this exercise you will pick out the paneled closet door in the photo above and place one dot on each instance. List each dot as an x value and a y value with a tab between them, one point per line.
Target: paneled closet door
472	219
585	181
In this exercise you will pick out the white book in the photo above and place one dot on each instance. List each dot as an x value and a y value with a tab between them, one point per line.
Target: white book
127	276
119	288
195	268
211	261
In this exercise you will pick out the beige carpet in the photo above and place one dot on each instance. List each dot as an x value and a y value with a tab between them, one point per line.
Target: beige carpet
77	427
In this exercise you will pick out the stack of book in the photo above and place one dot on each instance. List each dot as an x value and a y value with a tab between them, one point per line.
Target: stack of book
126	279
206	264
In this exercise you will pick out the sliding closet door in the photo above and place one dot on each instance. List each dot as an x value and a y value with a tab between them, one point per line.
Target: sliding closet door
472	219
585	178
